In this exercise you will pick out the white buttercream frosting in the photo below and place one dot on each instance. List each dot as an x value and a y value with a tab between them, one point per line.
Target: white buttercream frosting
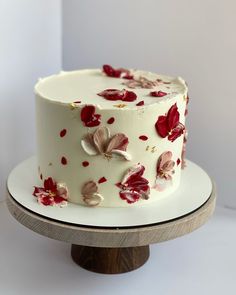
54	113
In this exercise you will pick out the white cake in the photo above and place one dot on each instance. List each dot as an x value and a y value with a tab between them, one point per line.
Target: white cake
109	137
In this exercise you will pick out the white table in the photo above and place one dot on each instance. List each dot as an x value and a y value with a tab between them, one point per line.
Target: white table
203	262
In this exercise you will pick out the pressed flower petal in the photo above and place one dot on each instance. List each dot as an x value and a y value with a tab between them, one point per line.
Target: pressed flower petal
89	188
118	142
164	157
162	126
100	137
112	94
157	93
38	190
46	200
87	112
173	117
49	184
88	145
136	170
93	200
176	132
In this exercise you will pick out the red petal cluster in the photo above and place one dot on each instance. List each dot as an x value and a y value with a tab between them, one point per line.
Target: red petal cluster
158	93
143	137
134	187
88	116
117	73
169	125
50	195
116	94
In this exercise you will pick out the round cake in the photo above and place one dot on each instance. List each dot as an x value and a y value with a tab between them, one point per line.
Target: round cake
109	137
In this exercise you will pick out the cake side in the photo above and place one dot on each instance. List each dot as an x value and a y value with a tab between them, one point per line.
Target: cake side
112	153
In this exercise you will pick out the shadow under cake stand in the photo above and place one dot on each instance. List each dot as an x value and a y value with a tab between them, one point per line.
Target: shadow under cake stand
107	248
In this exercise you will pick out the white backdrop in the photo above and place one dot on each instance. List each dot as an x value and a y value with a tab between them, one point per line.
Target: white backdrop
194	39
30	47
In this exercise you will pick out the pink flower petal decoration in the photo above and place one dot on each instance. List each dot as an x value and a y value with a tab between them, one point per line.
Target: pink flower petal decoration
100	137
118	142
165	166
90	194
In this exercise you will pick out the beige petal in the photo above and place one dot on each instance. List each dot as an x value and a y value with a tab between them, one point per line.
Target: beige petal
88	145
93	200
168	166
164	157
89	188
118	142
100	138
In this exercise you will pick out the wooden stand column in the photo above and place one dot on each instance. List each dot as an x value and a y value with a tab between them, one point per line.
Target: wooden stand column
110	260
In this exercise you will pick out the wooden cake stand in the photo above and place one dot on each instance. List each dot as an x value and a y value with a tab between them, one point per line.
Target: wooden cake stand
111	250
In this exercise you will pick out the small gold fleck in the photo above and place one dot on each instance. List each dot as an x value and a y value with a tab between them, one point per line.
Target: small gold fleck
121	105
73	106
153	149
147	148
50	164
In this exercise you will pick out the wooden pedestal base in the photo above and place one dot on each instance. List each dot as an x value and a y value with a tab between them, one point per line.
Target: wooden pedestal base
110	260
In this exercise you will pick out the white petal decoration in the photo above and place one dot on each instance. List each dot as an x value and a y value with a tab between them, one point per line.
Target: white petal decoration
88	147
123	154
93	200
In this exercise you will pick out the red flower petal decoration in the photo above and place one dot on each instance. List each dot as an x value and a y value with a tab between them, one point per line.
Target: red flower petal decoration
161	126
141	103
111	72
64	161
178	161
116	94
63	133
111	120
52	193
88	116
176	132
102	180
85	163
169	124
117	73
157	93
50	185
133	185
129	197
143	137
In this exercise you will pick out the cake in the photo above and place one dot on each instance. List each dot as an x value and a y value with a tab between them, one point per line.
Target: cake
109	137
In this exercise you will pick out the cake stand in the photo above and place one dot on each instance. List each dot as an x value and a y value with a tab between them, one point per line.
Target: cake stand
105	247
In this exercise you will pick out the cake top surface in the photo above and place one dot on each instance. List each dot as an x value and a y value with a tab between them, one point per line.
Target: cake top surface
126	89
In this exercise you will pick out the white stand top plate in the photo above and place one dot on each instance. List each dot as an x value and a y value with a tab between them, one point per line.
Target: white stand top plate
194	190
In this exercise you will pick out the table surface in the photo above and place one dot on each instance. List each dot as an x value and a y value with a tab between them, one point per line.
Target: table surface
203	262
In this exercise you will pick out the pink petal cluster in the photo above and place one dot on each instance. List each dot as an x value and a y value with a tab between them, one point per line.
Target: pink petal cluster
100	142
165	166
51	193
134	186
169	125
90	194
116	94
